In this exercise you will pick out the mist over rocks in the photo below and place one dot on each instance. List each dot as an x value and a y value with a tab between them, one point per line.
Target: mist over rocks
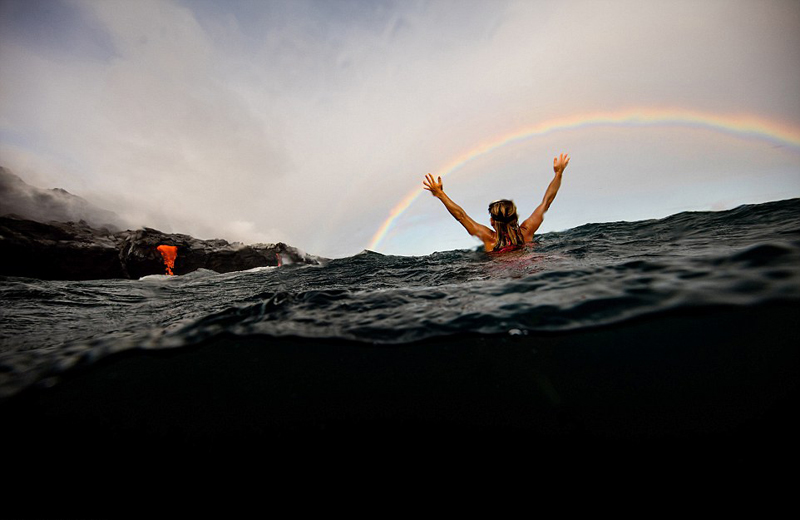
40	237
20	198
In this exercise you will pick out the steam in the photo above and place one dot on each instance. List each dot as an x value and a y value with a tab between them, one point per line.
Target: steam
32	203
305	121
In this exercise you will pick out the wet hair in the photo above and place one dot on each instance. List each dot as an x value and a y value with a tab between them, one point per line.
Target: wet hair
504	214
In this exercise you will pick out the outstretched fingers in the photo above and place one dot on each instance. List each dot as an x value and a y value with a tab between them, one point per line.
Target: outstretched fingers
432	185
560	162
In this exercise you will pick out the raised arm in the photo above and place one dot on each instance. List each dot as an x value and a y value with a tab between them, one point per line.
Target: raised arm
485	234
533	222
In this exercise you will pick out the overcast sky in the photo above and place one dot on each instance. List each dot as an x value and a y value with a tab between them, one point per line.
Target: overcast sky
308	121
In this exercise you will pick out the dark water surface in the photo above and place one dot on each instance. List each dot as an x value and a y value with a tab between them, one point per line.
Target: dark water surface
657	357
590	276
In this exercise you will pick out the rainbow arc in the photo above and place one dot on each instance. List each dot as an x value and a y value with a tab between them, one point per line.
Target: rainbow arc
742	126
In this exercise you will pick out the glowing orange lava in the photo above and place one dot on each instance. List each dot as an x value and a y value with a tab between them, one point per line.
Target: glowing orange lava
169	254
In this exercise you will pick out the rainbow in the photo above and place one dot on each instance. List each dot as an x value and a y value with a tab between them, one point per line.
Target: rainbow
738	125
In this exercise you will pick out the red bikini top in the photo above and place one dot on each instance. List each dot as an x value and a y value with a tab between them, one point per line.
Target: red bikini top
508	248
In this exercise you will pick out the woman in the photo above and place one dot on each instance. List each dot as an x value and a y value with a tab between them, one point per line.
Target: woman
507	234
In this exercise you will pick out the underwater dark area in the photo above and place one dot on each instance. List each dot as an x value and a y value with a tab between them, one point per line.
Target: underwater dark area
656	346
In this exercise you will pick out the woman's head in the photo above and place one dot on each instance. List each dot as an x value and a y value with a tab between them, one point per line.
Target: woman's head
503	211
505	222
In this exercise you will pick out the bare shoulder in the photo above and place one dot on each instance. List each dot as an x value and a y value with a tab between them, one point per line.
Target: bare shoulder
486	235
530	226
489	242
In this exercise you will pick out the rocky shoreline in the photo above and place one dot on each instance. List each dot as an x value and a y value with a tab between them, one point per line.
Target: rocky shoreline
55	235
78	251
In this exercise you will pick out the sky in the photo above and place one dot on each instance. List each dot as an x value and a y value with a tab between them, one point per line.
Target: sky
314	122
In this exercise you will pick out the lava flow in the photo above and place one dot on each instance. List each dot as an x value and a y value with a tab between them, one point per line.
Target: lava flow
168	253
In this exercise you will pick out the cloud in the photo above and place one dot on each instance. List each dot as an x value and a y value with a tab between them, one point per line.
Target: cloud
152	128
311	119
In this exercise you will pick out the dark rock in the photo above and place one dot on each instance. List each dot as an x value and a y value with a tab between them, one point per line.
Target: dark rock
57	251
77	251
55	235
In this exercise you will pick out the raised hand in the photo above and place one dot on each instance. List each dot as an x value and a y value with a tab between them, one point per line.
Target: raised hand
433	186
560	163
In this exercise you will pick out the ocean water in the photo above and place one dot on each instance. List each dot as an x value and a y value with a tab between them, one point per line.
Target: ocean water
595	275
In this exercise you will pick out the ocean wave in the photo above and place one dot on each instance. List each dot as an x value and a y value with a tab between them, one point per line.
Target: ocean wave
591	276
